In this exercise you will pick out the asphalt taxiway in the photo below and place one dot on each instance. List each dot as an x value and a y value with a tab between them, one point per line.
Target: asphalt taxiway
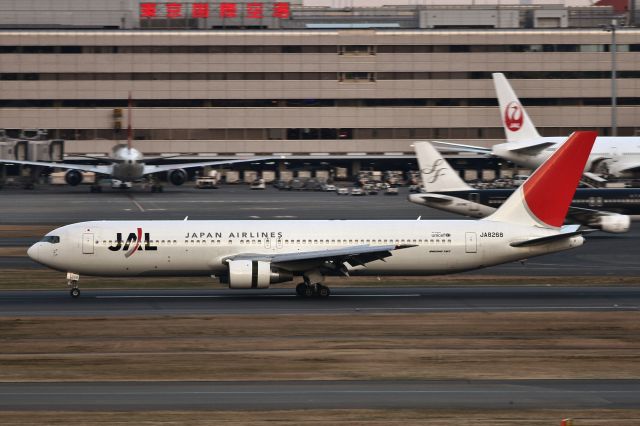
484	394
148	303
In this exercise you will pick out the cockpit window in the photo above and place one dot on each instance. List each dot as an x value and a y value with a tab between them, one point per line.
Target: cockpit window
50	239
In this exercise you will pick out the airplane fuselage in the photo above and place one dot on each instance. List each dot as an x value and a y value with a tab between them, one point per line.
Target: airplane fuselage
624	201
609	154
127	164
200	248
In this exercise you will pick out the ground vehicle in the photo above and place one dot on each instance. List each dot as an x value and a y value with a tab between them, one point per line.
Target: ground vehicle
342	191
258	184
391	190
209	180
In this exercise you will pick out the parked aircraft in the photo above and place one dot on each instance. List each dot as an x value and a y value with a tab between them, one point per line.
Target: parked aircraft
258	253
611	156
127	164
444	189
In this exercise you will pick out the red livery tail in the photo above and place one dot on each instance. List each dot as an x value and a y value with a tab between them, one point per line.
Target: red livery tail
544	199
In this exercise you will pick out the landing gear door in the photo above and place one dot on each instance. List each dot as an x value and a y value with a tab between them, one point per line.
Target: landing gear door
471	242
87	243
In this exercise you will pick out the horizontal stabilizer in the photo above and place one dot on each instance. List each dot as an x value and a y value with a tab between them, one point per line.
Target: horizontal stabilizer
531	148
430	198
594	177
566	232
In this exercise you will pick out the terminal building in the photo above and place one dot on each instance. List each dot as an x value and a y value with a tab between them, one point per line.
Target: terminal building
306	81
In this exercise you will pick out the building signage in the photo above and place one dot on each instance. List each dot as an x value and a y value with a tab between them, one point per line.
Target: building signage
255	10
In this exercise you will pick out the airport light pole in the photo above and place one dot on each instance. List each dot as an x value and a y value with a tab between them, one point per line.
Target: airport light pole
612	29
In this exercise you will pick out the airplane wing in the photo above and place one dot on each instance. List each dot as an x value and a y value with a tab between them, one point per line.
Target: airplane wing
464	148
329	259
102	169
150	168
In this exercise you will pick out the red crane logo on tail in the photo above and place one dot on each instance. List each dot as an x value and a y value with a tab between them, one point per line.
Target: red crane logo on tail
513	116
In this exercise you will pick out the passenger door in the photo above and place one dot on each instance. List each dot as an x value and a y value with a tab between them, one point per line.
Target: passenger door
87	243
471	242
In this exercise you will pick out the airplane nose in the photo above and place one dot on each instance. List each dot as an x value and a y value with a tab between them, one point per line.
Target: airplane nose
33	252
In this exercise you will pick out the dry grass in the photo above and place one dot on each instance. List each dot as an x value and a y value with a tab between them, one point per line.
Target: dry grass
330	418
340	347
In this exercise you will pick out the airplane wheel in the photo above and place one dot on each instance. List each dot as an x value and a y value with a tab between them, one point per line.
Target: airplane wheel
308	291
75	293
323	291
300	289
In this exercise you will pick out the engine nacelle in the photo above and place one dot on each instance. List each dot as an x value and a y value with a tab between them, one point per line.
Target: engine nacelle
254	274
177	176
615	223
73	177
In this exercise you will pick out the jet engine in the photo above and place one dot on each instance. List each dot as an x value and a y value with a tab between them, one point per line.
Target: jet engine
614	223
73	177
254	274
177	176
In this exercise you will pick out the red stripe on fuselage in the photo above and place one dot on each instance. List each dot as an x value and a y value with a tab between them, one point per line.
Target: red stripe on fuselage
549	191
133	250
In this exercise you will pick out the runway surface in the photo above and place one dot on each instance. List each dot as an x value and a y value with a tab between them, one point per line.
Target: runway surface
321	394
343	300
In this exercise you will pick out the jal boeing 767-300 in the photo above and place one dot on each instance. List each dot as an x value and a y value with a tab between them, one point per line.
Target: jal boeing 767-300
257	253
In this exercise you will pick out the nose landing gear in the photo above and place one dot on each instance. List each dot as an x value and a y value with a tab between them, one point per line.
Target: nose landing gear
72	281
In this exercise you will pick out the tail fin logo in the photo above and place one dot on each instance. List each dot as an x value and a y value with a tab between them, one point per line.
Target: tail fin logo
513	116
434	170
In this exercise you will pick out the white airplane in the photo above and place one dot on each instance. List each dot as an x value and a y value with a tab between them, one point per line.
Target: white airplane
611	156
126	164
258	253
444	189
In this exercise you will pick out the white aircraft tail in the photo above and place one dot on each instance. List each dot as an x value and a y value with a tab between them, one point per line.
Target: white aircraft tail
436	173
543	200
517	125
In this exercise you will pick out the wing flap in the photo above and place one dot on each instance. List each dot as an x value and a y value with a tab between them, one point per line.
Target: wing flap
354	255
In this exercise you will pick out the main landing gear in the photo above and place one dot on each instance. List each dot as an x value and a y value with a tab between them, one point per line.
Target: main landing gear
312	290
72	281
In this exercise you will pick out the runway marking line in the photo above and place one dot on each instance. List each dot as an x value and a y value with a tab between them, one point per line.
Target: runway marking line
138	205
231	296
298	392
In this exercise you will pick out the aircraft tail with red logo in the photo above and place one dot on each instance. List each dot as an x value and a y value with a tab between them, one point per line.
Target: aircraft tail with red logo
543	200
518	127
